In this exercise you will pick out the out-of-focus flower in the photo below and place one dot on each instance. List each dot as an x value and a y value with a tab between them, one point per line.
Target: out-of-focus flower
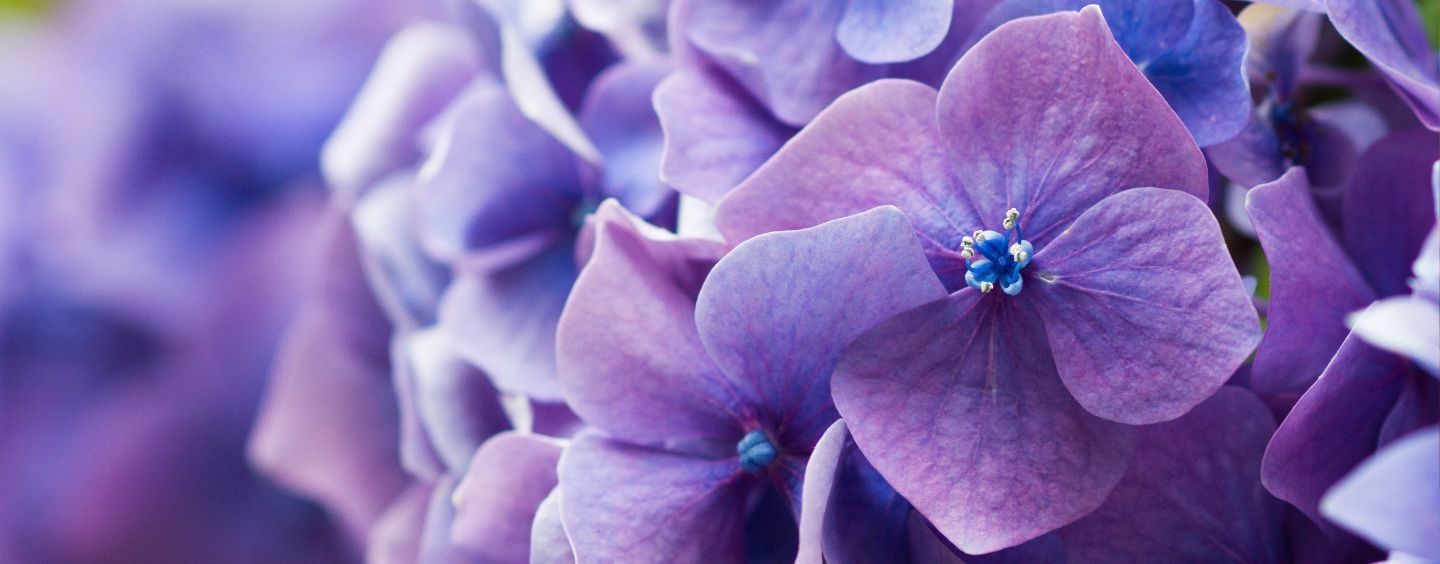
1364	397
1390	34
1034	383
1190	50
1392	499
701	394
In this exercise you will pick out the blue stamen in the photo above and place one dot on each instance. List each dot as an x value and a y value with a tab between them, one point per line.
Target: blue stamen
1002	257
756	451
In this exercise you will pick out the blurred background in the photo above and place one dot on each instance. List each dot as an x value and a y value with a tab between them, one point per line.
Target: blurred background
159	192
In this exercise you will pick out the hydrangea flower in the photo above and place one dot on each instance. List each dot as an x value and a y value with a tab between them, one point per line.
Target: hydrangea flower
1190	50
1364	397
706	389
1037	387
1390	34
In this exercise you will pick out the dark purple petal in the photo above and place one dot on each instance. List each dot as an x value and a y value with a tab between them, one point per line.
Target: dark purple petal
1385	218
850	514
1392	498
1391	35
777	311
623	503
1334	426
1192	492
1313	285
1203	77
498	498
503	321
957	403
715	133
620	119
1143	266
784	52
878	145
1081	124
422	68
630	360
520	191
893	31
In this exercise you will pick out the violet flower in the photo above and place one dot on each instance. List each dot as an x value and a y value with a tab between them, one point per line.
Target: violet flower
1391	499
1391	35
1190	50
1364	397
704	389
1036	387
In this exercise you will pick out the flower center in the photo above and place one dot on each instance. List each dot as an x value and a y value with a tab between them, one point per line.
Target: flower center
993	259
756	451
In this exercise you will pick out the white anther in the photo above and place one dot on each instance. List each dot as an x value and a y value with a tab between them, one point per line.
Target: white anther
985	287
1011	217
978	236
966	241
967	253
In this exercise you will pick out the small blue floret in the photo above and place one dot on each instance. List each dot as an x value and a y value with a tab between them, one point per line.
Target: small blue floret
756	451
1000	258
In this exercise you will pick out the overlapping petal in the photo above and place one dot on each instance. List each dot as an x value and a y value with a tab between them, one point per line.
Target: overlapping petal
893	31
1391	499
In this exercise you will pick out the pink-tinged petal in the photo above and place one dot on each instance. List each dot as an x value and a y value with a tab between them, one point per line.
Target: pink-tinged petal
548	542
422	68
1143	266
784	52
1393	499
849	513
893	31
1389	208
496	502
328	425
1312	287
1307	5
1335	425
619	117
777	311
454	402
623	503
1391	35
503	321
1192	492
1405	325
715	133
878	145
630	360
958	405
1080	124
520	191
396	536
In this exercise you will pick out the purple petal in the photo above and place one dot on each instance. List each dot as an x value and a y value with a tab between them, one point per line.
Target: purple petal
1390	34
455	403
520	191
621	120
893	31
423	67
715	133
877	145
630	360
1308	5
1203	77
1313	285
504	321
1385	219
624	503
1081	124
776	312
1334	426
548	542
850	514
1392	498
1407	326
499	497
784	52
406	281
1192	492
957	403
1282	42
1144	266
395	538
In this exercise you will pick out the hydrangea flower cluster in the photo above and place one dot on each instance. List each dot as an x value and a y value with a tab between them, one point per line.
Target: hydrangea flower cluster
911	281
